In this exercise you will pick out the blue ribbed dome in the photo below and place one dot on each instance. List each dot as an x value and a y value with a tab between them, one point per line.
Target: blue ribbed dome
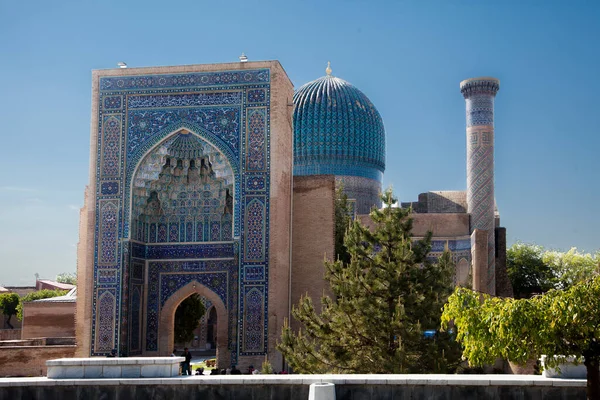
337	130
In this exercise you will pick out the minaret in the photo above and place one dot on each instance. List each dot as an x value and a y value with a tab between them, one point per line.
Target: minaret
479	96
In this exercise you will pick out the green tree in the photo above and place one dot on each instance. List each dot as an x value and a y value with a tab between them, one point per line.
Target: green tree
40	294
571	267
342	222
534	270
9	303
527	271
558	323
383	300
187	318
67	277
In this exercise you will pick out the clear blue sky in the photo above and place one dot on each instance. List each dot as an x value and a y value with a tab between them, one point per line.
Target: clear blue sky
407	56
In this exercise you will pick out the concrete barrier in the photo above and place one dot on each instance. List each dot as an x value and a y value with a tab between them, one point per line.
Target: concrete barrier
321	391
296	387
117	367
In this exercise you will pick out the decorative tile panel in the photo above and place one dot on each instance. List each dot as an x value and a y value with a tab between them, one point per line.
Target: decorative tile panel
109	187
254	321
113	102
256	95
256	140
107	276
111	146
109	212
255	183
254	243
105	321
187	80
254	273
184	100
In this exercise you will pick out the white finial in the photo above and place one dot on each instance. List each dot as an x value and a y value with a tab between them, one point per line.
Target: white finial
121	64
328	69
243	58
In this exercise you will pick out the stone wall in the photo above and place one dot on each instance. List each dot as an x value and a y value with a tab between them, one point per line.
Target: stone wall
48	319
312	236
30	360
296	387
10	334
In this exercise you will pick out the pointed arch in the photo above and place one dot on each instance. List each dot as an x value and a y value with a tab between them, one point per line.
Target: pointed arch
135	176
167	320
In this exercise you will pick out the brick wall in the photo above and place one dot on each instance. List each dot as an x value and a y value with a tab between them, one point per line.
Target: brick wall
10	334
48	319
30	360
312	235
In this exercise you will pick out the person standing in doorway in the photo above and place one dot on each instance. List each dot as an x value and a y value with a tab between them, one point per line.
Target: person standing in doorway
186	367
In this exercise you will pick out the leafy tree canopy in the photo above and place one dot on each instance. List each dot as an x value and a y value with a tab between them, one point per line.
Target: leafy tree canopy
9	303
534	270
558	324
383	300
67	277
187	318
40	294
527	271
572	266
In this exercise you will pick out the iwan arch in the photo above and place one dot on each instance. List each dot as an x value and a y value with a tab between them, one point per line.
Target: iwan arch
190	192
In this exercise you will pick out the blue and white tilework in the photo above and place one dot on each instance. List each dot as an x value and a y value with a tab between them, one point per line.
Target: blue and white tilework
182	178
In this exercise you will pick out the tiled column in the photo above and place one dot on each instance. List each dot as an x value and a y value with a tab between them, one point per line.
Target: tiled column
479	94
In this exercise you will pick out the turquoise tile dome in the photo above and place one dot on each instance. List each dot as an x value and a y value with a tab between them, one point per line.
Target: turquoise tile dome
337	130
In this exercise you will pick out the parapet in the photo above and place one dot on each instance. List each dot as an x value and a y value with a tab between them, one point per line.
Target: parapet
483	85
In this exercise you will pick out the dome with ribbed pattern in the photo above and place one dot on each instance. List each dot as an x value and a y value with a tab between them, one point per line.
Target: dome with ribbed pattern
337	131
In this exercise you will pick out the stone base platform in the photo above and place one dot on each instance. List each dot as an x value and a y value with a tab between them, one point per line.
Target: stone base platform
118	367
296	387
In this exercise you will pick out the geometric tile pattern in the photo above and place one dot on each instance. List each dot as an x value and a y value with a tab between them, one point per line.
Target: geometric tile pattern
111	146
479	97
108	232
338	131
204	121
253	340
255	150
105	324
255	238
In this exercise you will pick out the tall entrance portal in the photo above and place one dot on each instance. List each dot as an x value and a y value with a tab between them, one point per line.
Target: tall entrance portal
190	192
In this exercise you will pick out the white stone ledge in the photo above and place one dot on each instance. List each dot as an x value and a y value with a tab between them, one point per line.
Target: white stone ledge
118	367
396	380
114	361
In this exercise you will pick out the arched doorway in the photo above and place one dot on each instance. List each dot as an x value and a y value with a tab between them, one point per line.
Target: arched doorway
167	320
211	328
